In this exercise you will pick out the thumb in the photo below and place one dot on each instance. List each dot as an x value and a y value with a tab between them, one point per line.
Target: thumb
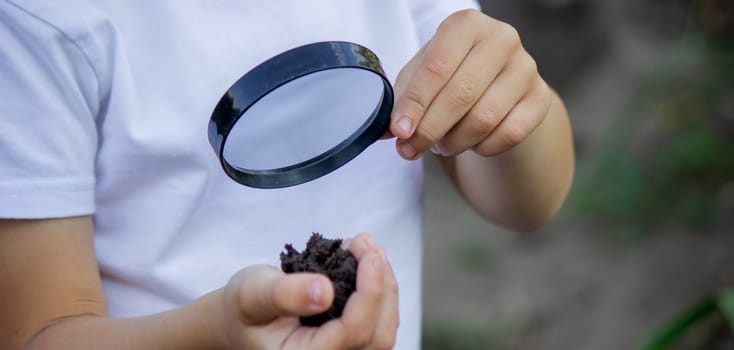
266	293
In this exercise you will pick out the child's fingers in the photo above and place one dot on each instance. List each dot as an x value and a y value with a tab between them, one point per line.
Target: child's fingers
519	123
437	65
364	308
359	245
506	90
370	318
387	325
266	293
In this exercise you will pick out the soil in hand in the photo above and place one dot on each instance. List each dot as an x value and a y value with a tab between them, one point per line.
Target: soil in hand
324	256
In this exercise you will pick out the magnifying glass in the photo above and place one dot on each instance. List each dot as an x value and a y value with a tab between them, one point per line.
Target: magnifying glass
301	114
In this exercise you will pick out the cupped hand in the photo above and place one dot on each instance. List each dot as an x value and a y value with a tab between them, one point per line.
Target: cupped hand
262	306
471	87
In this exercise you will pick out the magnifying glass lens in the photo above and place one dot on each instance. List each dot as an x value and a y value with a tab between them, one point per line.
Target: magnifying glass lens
301	114
303	119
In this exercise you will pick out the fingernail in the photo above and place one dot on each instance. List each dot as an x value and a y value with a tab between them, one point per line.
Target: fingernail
407	151
314	292
405	125
436	149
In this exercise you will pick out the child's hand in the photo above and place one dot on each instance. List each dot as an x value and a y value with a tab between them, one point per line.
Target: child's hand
262	306
472	86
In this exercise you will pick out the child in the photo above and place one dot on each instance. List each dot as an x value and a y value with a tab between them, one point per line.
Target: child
121	231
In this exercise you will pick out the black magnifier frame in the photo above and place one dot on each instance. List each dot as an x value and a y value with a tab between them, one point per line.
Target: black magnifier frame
280	70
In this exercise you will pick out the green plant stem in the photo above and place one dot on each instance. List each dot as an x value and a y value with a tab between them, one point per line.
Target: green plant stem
674	330
722	302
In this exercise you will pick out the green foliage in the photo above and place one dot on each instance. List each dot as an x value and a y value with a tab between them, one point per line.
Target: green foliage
725	301
677	328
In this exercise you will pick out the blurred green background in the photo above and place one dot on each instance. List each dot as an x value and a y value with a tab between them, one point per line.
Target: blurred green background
648	230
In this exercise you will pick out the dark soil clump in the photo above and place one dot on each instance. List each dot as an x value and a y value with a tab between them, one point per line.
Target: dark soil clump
324	256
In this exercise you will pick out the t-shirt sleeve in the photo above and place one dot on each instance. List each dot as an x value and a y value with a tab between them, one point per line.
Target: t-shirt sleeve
428	14
48	102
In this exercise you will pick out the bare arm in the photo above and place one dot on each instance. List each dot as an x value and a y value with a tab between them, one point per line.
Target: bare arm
525	187
52	295
474	96
51	298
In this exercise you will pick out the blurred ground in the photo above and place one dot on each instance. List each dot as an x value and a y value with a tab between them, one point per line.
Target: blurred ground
577	284
568	286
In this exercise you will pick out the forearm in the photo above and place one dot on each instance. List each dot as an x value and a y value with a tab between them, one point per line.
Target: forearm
188	327
51	298
524	187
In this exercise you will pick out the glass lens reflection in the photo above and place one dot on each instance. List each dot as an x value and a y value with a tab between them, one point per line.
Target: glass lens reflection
303	119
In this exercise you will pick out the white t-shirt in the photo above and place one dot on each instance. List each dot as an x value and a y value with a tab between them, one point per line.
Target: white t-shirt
104	108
